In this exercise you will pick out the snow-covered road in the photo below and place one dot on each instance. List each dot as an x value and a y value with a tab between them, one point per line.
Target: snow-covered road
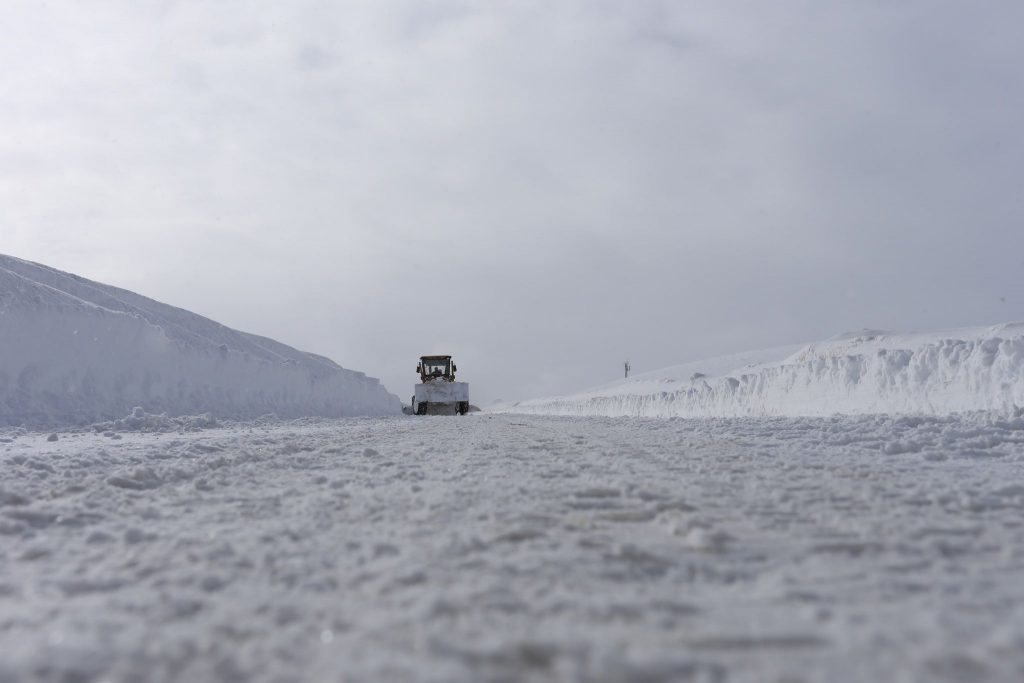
509	547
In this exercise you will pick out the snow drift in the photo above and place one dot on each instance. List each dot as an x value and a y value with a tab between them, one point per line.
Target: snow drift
962	370
74	351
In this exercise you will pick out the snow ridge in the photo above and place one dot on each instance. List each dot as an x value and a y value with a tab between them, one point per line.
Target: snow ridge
73	351
975	369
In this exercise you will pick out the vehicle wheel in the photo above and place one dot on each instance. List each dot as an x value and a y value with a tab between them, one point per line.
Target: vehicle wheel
463	407
421	409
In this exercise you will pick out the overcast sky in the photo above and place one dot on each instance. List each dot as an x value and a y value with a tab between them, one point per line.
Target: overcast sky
541	188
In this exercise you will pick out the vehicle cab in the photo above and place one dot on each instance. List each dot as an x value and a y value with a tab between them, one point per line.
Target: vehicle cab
436	367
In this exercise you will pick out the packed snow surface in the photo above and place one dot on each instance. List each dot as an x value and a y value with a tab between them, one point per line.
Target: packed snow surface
74	351
517	548
868	372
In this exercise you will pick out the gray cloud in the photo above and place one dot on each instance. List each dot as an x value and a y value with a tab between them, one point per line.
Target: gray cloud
542	188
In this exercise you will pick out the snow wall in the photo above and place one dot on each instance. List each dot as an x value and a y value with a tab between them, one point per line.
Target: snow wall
964	370
74	351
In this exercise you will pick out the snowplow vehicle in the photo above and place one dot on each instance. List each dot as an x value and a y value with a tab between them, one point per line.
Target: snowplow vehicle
438	393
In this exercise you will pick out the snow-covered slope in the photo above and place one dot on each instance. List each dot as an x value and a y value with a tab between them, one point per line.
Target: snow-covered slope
858	373
75	351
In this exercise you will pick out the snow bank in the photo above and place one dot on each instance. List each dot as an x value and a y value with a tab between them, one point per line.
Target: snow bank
858	373
74	351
